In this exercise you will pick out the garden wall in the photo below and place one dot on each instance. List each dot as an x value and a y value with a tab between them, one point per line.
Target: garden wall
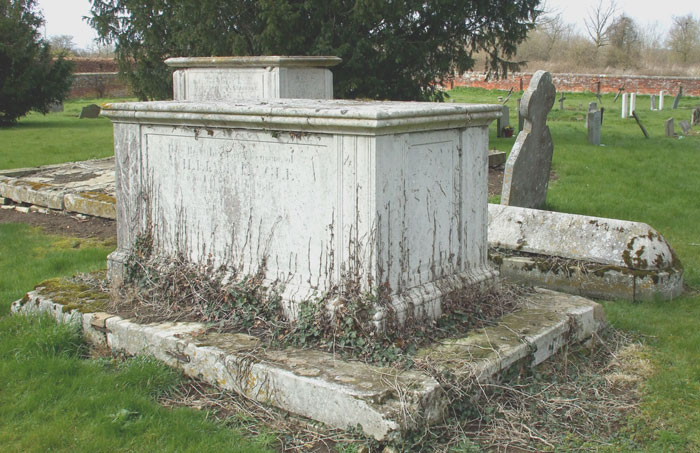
97	77
588	82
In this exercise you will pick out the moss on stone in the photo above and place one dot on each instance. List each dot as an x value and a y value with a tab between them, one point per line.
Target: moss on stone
74	296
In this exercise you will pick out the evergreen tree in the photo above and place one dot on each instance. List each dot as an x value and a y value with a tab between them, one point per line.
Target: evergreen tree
29	77
391	49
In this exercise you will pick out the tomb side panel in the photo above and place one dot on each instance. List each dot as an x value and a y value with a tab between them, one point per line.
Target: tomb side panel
474	198
305	83
211	84
128	184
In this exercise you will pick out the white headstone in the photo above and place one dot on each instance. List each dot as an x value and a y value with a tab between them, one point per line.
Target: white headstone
633	102
625	106
267	77
661	100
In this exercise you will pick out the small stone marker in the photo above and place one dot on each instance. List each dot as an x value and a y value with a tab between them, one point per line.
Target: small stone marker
594	127
526	174
661	100
90	111
652	102
678	98
625	106
503	121
685	126
56	107
670	129
695	117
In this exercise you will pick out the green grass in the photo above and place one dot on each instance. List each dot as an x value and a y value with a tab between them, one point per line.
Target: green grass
56	137
53	399
656	181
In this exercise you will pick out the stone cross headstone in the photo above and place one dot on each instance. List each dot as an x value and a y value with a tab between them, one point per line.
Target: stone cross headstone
633	103
561	101
661	100
695	117
503	121
652	102
526	174
90	111
685	126
594	127
670	129
625	106
592	107
677	98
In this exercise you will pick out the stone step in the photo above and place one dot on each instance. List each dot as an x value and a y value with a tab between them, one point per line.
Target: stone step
385	402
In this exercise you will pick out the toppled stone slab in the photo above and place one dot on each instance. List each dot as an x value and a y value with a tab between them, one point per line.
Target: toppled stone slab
496	158
590	256
83	187
384	402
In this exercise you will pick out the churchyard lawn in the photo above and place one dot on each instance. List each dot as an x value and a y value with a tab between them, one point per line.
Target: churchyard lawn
52	397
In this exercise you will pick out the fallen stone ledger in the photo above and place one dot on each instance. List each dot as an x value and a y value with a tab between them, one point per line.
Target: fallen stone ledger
584	255
84	187
385	402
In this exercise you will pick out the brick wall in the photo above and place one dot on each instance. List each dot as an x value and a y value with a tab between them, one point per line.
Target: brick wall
96	78
588	82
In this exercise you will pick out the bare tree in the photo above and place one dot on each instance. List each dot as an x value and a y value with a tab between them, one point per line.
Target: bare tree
62	45
599	20
684	37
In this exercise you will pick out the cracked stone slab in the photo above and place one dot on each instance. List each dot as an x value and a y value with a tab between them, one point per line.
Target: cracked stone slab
84	187
384	402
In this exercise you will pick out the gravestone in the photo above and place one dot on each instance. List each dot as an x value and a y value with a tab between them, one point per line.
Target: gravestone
677	99
266	77
55	107
561	101
592	107
695	117
685	126
633	103
503	121
594	127
661	100
652	102
526	175
670	129
317	191
625	106
521	119
90	111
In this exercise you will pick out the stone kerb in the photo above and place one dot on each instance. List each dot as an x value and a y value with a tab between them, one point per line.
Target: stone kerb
390	192
590	256
264	77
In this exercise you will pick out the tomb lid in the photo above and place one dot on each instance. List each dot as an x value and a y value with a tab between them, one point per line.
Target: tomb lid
310	115
253	62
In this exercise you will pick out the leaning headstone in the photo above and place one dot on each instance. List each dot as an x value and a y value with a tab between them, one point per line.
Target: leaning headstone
526	174
55	107
652	102
625	106
639	123
685	126
592	107
661	100
670	129
677	98
695	117
594	127
90	111
503	121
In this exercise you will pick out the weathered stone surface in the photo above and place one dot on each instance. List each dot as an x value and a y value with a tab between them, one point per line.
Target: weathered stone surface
594	127
55	107
267	77
83	187
394	192
610	257
695	117
633	103
496	158
592	107
652	102
526	175
503	121
661	100
670	129
384	402
625	106
685	126
90	111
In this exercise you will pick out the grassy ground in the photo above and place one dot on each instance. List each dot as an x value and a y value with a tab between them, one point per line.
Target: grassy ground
650	180
56	137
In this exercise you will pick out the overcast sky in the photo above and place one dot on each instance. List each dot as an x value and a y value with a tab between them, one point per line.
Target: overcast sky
64	17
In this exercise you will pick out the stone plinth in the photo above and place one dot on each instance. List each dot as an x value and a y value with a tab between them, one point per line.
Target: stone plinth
270	77
387	193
